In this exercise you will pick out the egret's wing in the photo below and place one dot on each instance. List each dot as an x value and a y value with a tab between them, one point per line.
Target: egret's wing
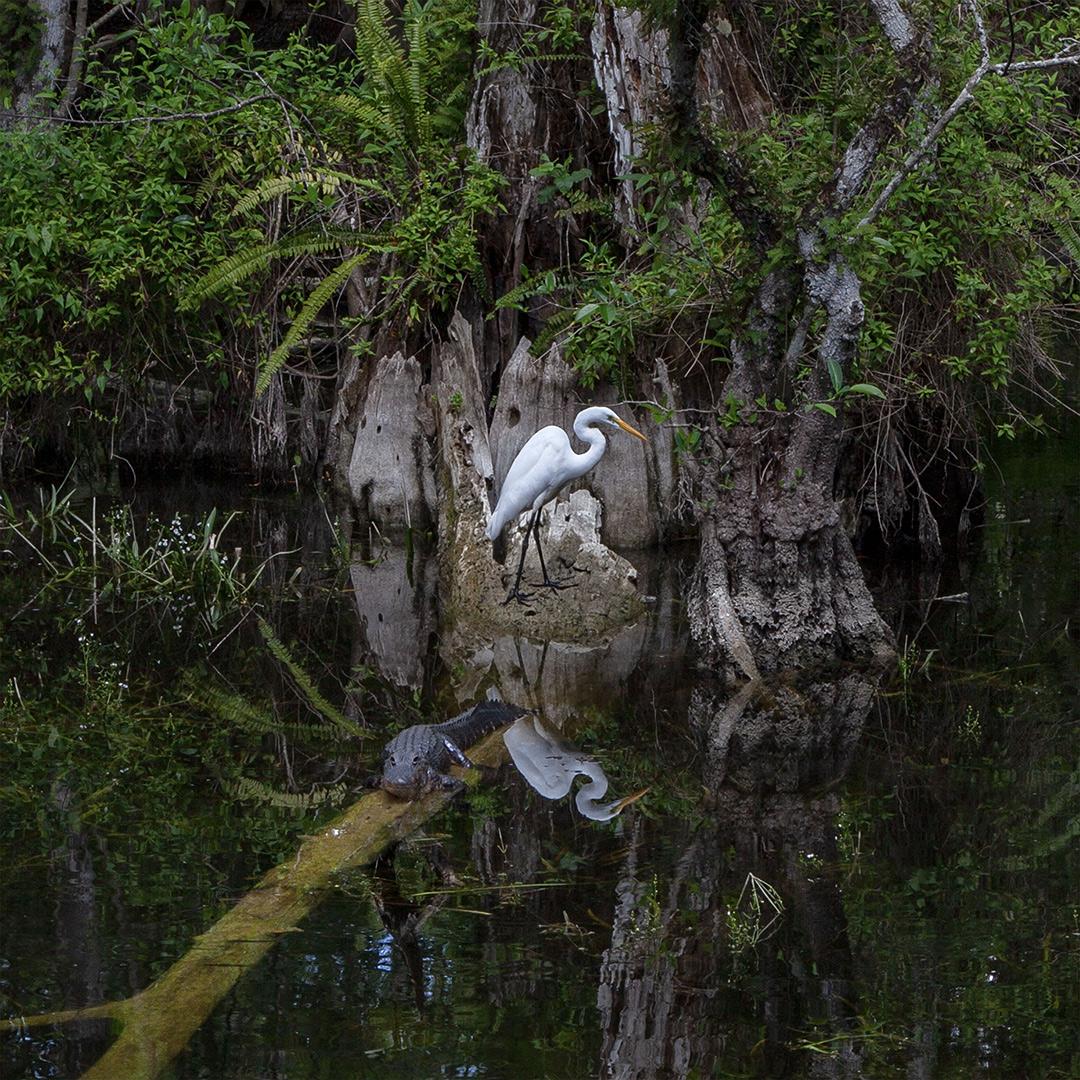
537	467
539	459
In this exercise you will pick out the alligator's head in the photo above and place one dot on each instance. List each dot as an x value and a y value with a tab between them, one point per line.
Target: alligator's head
403	774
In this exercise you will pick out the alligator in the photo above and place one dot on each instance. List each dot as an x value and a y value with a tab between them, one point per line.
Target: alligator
415	760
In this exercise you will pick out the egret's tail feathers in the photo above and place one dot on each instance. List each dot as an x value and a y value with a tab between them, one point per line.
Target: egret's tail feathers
494	533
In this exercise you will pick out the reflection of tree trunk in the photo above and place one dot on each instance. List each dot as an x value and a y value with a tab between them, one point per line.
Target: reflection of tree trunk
670	994
396	609
78	943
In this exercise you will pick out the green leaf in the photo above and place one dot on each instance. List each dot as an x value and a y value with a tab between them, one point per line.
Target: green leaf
304	318
836	374
865	388
825	407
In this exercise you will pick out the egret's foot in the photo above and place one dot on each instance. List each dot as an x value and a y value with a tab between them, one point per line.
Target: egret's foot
547	583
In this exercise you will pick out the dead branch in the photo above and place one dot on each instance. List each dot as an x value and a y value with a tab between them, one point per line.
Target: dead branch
967	93
164	118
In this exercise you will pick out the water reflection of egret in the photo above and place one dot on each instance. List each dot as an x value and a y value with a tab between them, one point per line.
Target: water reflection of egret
549	764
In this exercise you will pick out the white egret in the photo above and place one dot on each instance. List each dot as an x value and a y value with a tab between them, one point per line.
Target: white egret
543	466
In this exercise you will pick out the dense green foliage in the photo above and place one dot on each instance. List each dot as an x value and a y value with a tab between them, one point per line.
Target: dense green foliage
103	223
20	34
967	276
216	203
394	163
110	226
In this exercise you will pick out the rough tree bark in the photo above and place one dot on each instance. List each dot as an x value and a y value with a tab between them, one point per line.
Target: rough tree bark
391	474
53	57
517	115
778	570
475	585
779	583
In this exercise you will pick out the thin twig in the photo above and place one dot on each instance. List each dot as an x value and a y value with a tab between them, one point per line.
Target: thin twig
160	119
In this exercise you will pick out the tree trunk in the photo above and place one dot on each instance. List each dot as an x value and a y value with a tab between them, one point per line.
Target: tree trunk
53	44
391	478
519	115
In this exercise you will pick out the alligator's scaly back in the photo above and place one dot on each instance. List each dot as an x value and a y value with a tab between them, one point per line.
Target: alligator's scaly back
416	759
473	724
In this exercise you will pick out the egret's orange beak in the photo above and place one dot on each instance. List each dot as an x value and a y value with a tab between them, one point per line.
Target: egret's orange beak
629	430
622	804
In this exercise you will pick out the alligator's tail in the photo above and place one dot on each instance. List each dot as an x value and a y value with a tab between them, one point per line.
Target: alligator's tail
475	723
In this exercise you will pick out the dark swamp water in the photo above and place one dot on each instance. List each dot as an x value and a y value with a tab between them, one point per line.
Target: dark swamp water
829	877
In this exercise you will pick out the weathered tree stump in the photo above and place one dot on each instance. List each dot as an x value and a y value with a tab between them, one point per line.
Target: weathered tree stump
475	586
391	479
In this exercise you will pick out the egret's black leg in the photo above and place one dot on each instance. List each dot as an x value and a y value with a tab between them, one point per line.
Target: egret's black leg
548	582
515	593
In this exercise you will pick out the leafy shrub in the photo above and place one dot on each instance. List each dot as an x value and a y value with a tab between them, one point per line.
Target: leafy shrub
105	224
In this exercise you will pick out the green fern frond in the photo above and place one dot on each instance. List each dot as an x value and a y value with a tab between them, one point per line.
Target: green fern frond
229	160
364	112
235	268
374	41
305	317
307	688
446	119
246	788
552	329
548	284
417	70
1069	238
236	712
271	188
328	181
253	260
1058	207
229	710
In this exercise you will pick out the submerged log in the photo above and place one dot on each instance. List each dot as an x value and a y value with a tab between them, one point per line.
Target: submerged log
158	1022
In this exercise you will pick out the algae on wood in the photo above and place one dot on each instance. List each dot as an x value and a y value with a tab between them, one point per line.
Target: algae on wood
157	1023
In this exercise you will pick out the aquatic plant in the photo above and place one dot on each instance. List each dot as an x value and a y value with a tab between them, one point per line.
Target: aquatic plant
184	562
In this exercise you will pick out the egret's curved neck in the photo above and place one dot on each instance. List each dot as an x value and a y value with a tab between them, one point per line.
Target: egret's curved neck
597	445
589	794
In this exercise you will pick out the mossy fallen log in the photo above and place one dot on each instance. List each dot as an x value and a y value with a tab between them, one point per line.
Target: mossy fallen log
157	1023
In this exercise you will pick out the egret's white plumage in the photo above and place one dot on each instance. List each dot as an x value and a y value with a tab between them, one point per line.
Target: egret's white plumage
543	466
550	765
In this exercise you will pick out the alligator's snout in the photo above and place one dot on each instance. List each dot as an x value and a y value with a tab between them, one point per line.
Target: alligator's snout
401	783
400	789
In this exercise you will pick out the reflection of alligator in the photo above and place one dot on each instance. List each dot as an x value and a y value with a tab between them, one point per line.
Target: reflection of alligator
415	760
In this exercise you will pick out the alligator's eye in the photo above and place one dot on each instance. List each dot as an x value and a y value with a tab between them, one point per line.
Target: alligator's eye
416	759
